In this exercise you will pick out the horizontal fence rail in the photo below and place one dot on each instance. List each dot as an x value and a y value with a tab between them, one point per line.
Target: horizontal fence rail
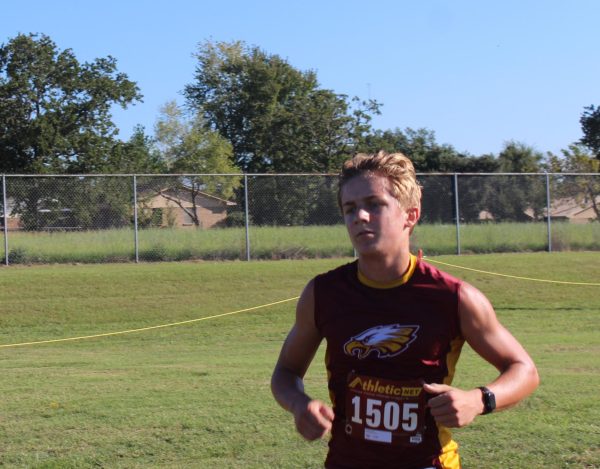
147	217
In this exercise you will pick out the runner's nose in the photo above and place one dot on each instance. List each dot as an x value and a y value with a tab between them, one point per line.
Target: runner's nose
362	215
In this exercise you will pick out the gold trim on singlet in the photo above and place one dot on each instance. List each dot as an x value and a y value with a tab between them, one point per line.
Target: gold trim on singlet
412	265
449	453
327	363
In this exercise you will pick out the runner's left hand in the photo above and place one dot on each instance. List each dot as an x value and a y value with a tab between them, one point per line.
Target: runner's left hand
453	407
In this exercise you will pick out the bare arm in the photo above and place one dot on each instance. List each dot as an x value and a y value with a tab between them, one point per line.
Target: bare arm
313	418
518	376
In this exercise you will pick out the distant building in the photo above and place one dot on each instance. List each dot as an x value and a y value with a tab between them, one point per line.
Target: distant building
164	208
175	208
566	209
569	209
13	220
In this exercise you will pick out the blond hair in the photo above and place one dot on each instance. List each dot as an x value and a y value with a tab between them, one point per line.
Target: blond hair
396	167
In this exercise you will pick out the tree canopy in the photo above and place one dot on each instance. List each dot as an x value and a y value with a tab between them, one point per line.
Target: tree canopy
585	189
186	146
276	117
590	125
251	111
509	198
136	155
425	152
55	111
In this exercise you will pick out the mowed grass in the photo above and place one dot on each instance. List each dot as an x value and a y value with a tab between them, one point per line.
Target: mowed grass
197	395
287	242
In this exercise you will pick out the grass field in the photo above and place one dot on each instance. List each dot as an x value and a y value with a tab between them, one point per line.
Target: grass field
197	395
294	242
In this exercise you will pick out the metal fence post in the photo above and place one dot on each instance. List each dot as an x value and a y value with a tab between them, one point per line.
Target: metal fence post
247	217
548	217
135	220
457	211
5	210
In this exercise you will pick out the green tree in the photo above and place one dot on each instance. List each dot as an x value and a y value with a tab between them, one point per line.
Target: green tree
276	117
67	202
584	188
55	111
137	155
590	125
429	156
516	197
425	152
187	147
517	157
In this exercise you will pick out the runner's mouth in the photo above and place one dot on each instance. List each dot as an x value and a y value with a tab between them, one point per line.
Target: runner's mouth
365	233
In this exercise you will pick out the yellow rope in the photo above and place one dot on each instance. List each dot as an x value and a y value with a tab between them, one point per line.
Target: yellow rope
148	328
514	276
272	304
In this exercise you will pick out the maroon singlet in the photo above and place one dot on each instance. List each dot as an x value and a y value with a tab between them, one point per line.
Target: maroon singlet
381	344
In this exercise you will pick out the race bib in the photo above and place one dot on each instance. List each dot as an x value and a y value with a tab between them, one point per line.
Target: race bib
385	411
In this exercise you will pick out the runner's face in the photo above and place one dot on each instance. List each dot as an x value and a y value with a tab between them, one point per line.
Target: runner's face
375	220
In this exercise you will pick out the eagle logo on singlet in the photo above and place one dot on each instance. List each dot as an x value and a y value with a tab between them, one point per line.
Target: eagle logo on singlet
385	341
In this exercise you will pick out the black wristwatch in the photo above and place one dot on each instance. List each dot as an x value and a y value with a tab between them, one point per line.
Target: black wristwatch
489	400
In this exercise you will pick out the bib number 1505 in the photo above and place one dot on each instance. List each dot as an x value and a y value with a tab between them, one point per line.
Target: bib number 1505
390	415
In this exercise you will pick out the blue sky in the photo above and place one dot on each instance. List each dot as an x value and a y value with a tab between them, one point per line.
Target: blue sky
476	73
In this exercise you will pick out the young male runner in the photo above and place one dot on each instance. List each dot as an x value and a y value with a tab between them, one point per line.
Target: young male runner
394	327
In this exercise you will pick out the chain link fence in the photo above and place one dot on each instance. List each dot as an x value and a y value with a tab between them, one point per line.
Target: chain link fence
122	218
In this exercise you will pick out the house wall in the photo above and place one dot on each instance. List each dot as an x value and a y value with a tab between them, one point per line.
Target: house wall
14	223
210	211
208	218
585	216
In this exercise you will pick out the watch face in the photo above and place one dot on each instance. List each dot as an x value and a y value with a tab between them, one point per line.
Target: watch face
489	400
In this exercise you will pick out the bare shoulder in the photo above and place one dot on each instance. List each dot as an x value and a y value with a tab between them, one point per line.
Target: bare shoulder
474	308
304	338
305	308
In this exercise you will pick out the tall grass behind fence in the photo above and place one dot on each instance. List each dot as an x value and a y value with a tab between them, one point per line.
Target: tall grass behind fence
100	218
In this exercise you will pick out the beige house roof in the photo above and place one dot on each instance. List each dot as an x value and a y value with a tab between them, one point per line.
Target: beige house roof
571	209
165	198
184	207
568	208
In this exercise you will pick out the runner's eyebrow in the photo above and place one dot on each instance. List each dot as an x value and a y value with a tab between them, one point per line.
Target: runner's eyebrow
369	198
